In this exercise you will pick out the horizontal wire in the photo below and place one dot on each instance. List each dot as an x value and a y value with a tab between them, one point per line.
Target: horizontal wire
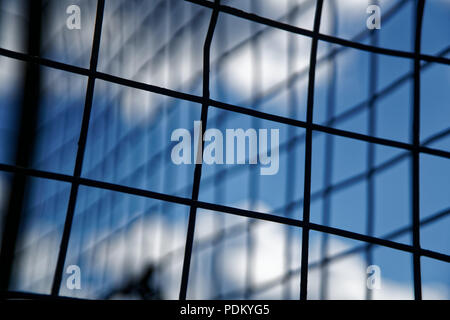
218	104
269	284
242	110
224	209
320	36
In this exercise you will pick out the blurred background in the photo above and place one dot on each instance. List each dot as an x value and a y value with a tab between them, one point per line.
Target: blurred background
132	247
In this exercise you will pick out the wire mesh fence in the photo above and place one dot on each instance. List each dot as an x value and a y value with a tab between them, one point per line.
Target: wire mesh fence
95	185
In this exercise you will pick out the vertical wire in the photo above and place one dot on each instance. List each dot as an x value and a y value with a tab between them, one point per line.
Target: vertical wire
27	123
81	149
415	153
67	119
192	35
198	166
371	149
416	117
308	153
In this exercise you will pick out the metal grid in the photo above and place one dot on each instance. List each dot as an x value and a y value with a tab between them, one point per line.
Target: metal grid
414	149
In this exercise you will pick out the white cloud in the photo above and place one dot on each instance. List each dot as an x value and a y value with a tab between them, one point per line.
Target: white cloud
174	67
129	255
348	275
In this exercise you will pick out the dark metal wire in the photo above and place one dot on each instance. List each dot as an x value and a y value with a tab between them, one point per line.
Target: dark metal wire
198	166
25	146
415	148
371	150
415	152
81	150
308	152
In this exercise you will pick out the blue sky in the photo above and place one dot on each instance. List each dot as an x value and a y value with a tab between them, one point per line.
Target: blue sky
129	142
